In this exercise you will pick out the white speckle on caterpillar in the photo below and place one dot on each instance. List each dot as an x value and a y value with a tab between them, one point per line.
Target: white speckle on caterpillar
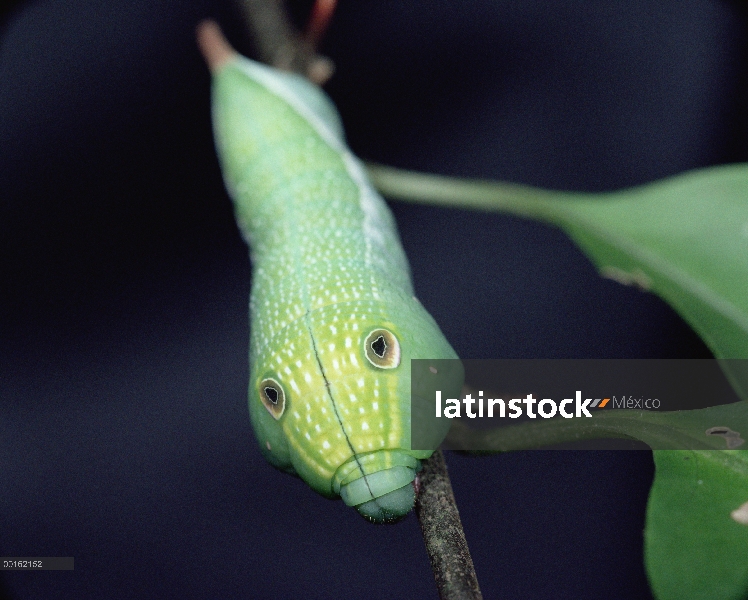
740	514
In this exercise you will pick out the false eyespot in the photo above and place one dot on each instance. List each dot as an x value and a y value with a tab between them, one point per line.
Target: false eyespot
382	349
273	397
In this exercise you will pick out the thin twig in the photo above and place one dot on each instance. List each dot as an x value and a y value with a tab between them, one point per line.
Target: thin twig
278	42
475	194
442	532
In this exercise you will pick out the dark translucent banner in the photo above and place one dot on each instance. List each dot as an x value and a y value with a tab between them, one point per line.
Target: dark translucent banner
508	404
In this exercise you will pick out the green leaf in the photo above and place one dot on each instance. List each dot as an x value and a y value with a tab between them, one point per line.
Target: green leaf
696	544
715	428
684	238
696	537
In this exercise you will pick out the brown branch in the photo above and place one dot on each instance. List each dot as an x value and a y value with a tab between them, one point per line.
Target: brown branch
278	42
442	532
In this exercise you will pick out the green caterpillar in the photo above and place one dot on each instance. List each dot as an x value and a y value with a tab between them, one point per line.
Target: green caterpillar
334	322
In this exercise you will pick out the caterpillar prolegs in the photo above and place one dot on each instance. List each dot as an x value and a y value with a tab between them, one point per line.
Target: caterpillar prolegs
333	319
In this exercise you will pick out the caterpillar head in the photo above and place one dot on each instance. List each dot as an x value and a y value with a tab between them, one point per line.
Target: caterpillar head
380	492
332	403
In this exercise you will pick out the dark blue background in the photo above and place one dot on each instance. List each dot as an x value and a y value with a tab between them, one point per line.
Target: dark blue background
124	435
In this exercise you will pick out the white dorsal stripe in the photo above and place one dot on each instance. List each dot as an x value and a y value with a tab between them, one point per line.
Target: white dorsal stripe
275	84
367	197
